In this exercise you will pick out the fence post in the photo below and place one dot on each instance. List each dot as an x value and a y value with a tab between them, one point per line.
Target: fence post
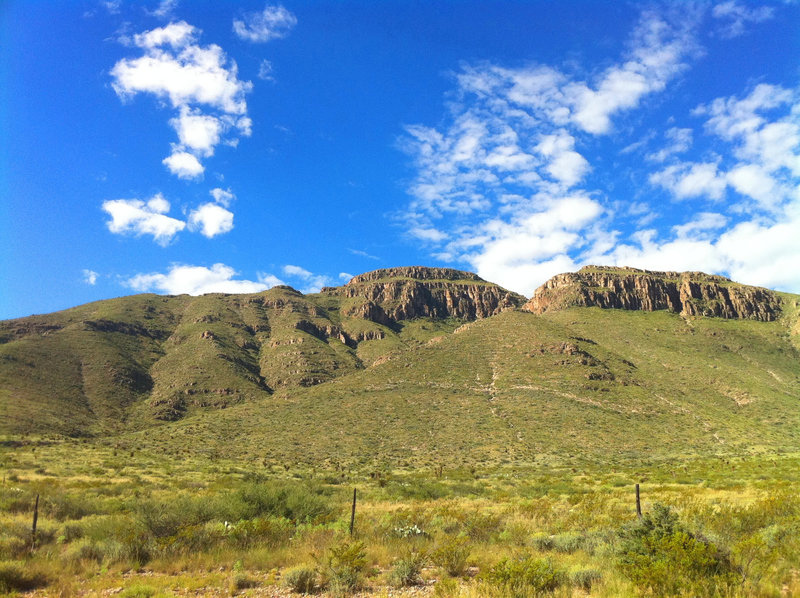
638	503
353	513
35	520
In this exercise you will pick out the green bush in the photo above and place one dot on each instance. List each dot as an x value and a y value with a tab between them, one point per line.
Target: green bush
406	570
264	532
302	580
17	577
344	566
524	577
242	581
296	502
585	578
452	555
84	550
658	555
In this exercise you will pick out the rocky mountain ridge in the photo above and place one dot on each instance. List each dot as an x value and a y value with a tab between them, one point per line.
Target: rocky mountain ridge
685	293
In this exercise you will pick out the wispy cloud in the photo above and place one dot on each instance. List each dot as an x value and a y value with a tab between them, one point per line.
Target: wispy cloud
502	185
507	183
734	16
274	22
309	282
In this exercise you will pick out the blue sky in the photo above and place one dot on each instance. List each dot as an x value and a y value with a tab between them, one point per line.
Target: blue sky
191	147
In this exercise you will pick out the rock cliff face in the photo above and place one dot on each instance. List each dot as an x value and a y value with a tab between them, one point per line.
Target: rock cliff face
394	294
687	293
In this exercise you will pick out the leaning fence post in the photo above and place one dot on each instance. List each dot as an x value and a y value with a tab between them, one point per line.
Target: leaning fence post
353	513
35	520
638	503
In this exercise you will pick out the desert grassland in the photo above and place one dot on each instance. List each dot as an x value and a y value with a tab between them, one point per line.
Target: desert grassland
136	523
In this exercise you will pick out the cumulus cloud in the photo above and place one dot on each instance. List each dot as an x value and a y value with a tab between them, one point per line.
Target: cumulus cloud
183	164
210	220
134	216
274	22
198	81
90	277
195	280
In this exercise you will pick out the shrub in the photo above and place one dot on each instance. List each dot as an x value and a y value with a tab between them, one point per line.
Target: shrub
406	569
302	580
241	581
344	566
523	577
292	501
656	553
585	578
452	556
447	588
84	550
16	577
265	532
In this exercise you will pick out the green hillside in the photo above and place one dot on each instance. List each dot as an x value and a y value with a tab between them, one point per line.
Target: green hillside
278	376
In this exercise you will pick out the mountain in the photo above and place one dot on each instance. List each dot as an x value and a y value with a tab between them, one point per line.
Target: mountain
420	365
127	362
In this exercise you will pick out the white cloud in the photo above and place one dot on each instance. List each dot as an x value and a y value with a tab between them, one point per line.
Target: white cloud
269	279
196	131
183	164
297	271
678	141
274	22
224	197
265	71
199	82
195	75
688	180
735	16
659	50
312	282
133	216
194	280
211	220
165	8
345	276
564	163
176	35
427	234
90	277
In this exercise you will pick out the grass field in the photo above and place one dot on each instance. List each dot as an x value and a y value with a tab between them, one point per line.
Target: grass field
138	523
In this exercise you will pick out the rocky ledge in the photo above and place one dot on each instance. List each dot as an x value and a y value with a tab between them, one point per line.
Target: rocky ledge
686	293
393	294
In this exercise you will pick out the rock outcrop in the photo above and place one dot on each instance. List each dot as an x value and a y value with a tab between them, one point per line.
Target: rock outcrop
687	293
394	294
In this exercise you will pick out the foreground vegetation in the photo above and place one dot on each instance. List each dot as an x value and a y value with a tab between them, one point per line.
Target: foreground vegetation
135	523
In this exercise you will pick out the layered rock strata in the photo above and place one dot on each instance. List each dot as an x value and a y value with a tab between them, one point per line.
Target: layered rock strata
686	293
391	295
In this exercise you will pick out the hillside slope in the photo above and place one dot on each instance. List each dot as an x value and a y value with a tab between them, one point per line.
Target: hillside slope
418	365
134	361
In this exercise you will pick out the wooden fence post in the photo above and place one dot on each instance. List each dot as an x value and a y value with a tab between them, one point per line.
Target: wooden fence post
353	513
638	503
35	520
